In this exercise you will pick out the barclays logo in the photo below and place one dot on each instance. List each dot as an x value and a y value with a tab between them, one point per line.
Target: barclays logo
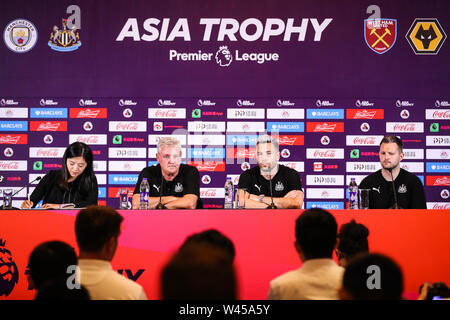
48	113
207	153
285	126
325	114
130	179
325	205
13	125
241	140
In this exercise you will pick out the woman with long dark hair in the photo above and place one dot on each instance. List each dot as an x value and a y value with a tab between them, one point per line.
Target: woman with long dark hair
74	183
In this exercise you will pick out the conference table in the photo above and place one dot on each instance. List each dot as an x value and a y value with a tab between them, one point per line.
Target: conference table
418	240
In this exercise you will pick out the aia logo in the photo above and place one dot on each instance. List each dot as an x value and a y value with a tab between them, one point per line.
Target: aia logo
285	153
206	179
8	152
404	114
245	166
325	140
9	274
88	126
48	139
127	113
365	127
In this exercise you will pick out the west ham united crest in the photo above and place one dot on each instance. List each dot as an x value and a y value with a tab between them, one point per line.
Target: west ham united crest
380	34
65	39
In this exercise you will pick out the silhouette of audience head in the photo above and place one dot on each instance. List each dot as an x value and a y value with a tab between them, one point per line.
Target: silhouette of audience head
315	233
352	239
49	261
372	277
202	269
213	238
97	230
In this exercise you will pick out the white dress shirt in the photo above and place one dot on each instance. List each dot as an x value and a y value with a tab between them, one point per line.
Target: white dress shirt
103	283
316	279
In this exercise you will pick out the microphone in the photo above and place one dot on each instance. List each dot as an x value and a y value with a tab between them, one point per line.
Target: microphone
395	192
271	205
27	185
160	206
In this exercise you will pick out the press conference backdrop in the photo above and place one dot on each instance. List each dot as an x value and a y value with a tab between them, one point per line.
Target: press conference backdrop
326	78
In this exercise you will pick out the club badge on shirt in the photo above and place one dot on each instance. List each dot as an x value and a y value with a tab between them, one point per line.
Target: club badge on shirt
402	189
178	187
279	186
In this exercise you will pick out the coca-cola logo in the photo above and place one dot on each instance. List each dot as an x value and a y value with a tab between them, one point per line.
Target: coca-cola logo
208	193
9	165
127	126
441	206
170	113
404	127
365	140
88	139
324	153
441	114
47	153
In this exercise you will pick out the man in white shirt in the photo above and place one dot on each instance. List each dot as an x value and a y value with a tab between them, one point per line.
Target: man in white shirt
97	230
319	277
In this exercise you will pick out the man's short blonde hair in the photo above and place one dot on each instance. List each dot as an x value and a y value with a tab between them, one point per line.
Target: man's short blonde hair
168	142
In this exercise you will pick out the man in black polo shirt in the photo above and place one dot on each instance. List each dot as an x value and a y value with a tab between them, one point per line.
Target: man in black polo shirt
286	185
408	188
180	183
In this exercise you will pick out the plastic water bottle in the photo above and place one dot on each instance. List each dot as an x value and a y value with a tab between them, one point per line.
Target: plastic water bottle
144	191
229	190
353	194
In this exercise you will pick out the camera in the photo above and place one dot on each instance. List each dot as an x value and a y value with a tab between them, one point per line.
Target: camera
436	291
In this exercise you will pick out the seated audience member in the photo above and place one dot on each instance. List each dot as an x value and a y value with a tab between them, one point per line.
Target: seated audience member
199	271
50	261
97	231
213	238
372	277
319	277
351	240
58	290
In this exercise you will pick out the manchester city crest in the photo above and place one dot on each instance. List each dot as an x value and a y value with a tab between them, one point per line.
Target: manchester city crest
64	39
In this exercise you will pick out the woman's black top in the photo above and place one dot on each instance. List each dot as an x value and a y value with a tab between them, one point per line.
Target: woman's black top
49	191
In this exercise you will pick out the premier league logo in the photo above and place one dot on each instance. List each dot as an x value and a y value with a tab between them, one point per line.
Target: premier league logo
223	56
9	274
380	34
64	40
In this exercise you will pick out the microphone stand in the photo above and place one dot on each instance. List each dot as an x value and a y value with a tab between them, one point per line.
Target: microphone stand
27	185
160	206
395	192
271	205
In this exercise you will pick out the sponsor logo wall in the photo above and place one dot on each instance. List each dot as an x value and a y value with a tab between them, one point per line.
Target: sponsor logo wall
327	146
222	64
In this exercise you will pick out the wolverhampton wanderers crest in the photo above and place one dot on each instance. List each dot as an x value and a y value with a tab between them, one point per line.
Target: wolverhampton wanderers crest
380	34
64	39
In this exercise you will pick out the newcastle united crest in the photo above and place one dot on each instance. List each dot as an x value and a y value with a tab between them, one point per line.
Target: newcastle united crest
380	34
65	39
